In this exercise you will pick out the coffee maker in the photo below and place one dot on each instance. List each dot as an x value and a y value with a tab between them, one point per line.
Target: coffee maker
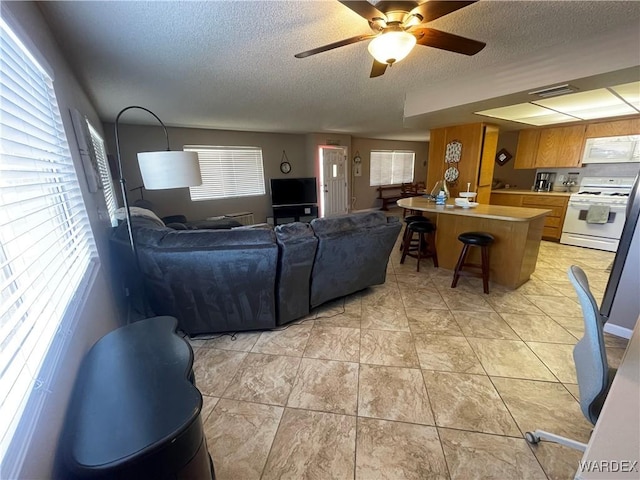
544	181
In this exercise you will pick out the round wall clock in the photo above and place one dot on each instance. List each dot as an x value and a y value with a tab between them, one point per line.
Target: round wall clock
285	167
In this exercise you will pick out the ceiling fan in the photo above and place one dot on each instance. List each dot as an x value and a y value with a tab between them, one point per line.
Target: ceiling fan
398	26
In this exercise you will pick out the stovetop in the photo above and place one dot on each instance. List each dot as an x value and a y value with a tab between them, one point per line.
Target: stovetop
604	190
604	194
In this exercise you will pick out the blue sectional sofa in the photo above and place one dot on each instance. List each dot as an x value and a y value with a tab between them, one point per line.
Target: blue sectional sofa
250	278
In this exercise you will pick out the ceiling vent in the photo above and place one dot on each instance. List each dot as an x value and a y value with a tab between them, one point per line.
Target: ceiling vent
554	91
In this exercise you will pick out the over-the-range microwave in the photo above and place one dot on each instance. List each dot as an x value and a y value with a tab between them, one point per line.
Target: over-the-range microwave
612	149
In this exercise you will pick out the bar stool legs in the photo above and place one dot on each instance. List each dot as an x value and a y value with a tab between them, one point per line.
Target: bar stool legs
474	239
407	221
459	265
425	246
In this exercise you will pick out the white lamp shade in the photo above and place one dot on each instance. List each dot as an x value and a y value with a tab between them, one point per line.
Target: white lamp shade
169	169
391	47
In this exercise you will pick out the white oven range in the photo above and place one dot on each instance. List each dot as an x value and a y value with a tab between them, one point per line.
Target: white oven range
596	213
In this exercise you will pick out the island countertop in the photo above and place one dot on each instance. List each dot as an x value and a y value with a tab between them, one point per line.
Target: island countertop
524	191
496	212
517	232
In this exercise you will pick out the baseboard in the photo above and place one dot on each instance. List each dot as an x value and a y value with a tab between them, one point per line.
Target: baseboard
617	330
366	210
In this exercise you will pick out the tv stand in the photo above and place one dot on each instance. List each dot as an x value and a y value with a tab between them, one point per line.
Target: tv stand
296	212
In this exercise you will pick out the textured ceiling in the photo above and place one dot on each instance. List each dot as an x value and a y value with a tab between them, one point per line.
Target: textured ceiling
230	64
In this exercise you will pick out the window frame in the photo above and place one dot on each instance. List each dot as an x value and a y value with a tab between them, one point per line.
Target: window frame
72	233
386	173
222	181
99	153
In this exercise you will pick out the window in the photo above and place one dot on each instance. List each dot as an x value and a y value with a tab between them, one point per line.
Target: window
100	155
228	172
47	249
391	167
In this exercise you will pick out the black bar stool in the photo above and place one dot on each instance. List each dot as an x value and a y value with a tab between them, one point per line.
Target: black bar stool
474	239
407	221
426	245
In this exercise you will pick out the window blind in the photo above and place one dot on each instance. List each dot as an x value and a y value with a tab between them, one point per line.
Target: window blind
100	155
391	167
228	172
46	244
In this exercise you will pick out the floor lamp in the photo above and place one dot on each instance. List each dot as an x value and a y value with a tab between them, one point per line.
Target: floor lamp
160	170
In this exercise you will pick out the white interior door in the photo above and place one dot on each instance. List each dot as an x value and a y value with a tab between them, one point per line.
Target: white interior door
333	181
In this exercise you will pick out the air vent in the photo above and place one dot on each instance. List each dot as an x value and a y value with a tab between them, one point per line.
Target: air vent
554	91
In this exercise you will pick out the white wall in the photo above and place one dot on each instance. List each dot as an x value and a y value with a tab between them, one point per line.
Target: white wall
515	178
98	315
302	152
366	196
141	138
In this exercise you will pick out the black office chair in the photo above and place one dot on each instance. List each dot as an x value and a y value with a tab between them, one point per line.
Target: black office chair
590	357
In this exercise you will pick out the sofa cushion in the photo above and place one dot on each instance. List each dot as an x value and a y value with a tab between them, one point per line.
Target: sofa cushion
342	223
138	212
211	280
352	254
297	248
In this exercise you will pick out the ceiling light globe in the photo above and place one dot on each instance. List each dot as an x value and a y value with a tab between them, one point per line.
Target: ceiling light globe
391	47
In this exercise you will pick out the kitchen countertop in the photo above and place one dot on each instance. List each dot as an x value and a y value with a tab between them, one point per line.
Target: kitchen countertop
496	212
523	191
517	232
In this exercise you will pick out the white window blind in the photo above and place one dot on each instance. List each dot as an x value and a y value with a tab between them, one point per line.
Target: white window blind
391	167
46	244
100	155
228	172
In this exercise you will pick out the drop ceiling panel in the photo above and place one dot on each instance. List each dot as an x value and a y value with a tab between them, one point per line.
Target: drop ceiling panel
588	105
528	113
630	92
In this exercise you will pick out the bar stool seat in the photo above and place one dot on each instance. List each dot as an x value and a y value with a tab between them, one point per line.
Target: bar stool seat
425	246
474	239
407	221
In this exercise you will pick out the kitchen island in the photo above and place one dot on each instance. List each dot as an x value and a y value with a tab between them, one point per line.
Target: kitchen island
517	232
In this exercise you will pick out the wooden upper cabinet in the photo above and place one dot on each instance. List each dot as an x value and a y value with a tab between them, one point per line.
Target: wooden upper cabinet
570	153
527	149
612	129
550	147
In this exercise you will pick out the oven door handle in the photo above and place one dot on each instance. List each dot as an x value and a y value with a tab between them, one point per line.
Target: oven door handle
587	205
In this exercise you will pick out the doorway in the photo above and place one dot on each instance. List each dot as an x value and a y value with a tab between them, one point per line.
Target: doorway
333	181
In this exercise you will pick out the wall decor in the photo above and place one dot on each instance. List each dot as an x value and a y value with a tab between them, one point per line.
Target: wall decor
357	165
502	157
452	156
285	166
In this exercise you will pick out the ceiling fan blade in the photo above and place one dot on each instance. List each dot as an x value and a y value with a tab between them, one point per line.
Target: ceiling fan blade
430	37
364	9
377	69
331	46
433	9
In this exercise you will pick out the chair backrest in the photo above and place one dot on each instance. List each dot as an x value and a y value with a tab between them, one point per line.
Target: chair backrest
589	353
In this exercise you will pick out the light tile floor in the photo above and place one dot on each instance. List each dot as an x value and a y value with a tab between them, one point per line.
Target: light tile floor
407	380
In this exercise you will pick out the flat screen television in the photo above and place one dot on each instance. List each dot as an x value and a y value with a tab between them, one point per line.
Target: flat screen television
293	191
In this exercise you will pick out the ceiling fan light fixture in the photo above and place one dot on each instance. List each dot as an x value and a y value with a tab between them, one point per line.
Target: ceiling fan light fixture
391	47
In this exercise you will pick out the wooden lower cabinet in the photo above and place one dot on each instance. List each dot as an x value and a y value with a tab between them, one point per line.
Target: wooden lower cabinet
552	229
